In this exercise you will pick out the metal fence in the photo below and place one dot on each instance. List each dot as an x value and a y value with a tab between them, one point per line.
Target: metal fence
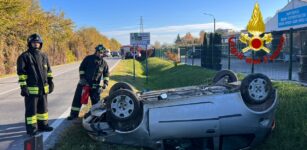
291	63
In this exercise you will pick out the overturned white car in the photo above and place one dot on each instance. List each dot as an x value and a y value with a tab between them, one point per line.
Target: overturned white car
228	114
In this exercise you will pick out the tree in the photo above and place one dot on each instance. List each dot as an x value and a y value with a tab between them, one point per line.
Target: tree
114	45
202	34
204	51
20	18
188	39
178	40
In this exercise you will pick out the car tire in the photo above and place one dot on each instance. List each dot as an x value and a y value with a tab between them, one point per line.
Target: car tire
120	85
232	77
124	110
256	88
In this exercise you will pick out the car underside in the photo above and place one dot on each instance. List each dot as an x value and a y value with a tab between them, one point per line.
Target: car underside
228	114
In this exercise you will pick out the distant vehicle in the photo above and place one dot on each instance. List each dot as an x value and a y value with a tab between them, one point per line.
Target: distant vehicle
225	115
115	54
127	52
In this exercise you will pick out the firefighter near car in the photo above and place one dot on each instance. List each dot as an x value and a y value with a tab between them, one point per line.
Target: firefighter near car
94	77
35	79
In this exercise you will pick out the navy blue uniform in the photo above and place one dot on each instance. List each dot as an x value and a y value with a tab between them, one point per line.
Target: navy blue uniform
93	70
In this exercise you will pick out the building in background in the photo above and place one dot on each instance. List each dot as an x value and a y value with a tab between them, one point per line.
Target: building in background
292	20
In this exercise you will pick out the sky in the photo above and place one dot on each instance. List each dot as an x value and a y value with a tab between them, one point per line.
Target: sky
164	19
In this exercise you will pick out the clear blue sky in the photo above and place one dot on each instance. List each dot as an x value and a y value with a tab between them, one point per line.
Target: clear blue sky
163	18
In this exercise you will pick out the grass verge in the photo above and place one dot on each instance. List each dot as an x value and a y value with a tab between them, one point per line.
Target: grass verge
291	115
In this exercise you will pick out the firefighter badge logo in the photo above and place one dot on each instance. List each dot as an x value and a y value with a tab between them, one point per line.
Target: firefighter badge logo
256	39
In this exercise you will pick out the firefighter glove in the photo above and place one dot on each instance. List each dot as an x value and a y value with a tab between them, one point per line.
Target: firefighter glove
24	91
51	85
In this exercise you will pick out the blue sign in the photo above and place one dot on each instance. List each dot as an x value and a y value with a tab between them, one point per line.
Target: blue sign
293	17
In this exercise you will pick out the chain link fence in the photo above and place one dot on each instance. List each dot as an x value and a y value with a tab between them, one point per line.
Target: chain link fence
290	64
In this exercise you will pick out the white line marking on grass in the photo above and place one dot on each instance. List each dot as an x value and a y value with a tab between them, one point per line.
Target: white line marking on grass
60	120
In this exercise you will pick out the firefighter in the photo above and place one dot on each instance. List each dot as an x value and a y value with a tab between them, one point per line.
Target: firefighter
35	79
93	70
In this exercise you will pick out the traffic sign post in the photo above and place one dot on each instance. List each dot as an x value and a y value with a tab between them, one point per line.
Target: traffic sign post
133	62
139	39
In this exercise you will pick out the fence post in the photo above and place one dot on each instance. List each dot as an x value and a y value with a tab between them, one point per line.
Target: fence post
186	55
179	56
291	52
193	52
253	65
228	55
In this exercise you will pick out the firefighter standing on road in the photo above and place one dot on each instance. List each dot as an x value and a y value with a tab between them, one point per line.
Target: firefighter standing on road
35	79
92	70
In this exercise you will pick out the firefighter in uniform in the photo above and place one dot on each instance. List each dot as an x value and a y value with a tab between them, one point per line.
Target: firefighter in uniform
93	70
35	79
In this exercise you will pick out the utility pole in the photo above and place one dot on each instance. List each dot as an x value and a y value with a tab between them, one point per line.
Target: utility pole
141	25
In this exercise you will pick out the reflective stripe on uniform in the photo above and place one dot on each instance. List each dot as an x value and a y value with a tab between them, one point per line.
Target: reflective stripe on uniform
32	120
46	89
50	74
43	116
106	78
33	90
23	77
75	108
81	72
23	83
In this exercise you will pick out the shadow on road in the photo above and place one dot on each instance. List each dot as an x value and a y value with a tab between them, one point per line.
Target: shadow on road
14	134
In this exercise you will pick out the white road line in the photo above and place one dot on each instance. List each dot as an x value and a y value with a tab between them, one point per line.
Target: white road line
56	123
54	76
60	120
9	91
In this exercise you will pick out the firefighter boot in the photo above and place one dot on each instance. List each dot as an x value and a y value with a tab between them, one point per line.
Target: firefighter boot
45	128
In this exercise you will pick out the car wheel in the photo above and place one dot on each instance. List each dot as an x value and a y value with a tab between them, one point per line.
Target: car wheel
256	88
124	110
120	85
122	105
225	76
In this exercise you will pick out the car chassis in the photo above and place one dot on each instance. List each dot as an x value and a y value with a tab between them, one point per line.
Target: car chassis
228	114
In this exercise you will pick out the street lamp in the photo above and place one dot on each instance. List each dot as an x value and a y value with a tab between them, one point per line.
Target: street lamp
213	20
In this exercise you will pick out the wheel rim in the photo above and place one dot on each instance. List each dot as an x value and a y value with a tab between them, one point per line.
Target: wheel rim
122	106
257	89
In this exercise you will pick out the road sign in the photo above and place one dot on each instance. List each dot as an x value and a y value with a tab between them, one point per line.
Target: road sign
293	17
140	38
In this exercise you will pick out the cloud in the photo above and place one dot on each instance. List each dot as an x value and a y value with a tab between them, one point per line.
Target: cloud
168	34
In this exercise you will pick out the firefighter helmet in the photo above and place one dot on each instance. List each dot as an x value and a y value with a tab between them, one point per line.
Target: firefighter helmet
100	48
35	38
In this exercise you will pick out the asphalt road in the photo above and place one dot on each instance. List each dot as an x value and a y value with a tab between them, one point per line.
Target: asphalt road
12	128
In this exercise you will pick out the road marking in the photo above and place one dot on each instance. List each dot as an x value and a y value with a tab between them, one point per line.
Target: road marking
54	76
9	91
60	120
56	123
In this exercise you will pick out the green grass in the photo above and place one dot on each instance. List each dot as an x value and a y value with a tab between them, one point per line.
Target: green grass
291	119
291	115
